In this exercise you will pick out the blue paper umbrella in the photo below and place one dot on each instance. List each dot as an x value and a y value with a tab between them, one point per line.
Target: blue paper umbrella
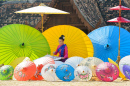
65	72
105	42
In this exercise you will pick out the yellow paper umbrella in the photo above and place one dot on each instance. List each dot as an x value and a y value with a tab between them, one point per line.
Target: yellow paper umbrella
120	73
15	62
77	41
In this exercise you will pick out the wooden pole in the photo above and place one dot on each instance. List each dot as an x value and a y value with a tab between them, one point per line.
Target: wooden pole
42	22
119	2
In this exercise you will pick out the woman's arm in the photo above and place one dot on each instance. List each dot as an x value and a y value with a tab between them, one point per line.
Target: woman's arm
56	51
66	52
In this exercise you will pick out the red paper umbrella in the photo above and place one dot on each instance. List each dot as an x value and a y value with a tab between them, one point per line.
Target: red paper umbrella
37	75
120	7
24	71
119	19
107	72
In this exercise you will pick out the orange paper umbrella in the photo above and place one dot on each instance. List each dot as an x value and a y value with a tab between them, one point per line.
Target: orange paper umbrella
24	71
37	75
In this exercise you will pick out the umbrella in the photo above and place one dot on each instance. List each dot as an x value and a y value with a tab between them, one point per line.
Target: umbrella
59	63
19	40
48	72
119	20
74	61
92	63
44	61
24	71
107	72
120	7
120	73
124	61
105	40
15	62
82	73
77	41
42	9
6	72
37	75
65	72
126	71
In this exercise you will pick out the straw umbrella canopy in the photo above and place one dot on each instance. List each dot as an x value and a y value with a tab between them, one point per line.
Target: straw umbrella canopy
42	9
119	20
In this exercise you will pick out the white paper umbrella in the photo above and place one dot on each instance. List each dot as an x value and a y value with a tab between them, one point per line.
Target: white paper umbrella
42	9
124	61
92	63
82	73
74	61
48	72
59	63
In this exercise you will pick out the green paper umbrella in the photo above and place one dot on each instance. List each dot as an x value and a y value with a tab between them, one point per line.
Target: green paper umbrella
6	72
18	40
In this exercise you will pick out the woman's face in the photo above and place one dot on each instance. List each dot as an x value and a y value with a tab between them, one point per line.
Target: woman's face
61	42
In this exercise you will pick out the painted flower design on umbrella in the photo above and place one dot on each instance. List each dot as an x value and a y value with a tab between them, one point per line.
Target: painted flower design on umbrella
83	76
50	67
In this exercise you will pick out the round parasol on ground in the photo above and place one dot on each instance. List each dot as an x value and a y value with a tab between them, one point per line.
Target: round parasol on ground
24	71
82	73
59	63
124	61
74	61
105	42
37	75
15	62
107	72
120	73
6	72
19	40
126	71
92	63
77	41
48	72
65	72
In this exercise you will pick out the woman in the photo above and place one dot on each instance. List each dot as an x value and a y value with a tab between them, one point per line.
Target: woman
62	49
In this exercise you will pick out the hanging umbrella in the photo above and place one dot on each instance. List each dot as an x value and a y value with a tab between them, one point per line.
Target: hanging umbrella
77	41
15	62
59	63
37	75
65	72
19	40
92	63
82	73
107	72
48	72
119	19
120	73
42	9
24	71
126	71
6	72
124	61
74	61
44	61
105	40
120	7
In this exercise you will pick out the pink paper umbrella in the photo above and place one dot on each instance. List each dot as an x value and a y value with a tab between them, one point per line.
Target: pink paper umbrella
119	19
107	72
120	7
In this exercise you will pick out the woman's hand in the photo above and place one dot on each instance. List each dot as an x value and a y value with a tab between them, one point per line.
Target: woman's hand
62	57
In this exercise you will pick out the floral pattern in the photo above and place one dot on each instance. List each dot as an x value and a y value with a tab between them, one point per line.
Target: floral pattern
83	76
20	73
50	67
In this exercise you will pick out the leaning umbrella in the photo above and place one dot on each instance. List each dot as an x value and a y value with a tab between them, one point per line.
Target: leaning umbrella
105	42
24	71
6	72
17	40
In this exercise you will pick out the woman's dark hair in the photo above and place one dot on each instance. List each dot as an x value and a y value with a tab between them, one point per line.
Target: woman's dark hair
62	37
